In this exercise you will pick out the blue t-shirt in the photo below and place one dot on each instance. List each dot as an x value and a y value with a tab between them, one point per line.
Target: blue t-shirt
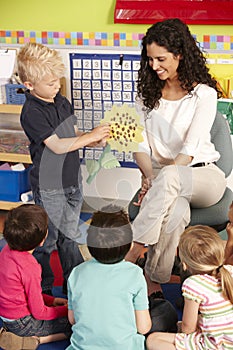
103	298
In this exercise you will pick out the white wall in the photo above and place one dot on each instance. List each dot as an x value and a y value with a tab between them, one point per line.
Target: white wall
117	186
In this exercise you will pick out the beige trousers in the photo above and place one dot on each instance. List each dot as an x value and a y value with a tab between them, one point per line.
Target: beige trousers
165	212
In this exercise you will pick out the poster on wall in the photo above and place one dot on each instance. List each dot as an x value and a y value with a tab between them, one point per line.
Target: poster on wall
189	11
99	83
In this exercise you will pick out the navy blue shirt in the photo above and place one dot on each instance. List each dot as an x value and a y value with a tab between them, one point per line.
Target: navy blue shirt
41	119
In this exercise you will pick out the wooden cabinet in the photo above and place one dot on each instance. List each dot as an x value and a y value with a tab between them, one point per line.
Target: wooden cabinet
9	123
12	109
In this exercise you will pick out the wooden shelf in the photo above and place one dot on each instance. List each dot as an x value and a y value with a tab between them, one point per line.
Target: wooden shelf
9	205
11	109
12	157
15	158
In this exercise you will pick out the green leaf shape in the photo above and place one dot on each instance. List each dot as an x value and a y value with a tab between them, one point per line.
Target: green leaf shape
109	161
93	168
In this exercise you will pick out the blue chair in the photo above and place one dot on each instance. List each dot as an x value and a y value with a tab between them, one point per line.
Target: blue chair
215	215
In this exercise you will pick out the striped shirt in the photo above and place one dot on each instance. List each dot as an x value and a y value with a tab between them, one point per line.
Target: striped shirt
215	315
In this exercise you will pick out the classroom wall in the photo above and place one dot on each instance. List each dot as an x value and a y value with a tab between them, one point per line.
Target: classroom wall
93	17
76	15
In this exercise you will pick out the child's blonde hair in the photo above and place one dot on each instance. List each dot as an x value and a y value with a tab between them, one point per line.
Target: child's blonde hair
35	61
202	250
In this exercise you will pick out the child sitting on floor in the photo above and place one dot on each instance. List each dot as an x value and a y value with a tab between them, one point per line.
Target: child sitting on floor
208	294
29	317
107	296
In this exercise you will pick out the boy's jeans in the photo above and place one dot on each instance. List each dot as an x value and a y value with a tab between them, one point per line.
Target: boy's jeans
63	207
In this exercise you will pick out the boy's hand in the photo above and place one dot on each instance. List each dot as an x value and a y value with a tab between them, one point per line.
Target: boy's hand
100	133
101	143
60	302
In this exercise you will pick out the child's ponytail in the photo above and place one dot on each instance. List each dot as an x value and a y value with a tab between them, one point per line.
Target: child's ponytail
226	281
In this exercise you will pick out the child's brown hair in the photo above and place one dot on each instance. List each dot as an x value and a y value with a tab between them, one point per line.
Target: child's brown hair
25	227
109	235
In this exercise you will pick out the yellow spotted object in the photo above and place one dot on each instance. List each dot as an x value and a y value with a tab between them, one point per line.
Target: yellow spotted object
126	131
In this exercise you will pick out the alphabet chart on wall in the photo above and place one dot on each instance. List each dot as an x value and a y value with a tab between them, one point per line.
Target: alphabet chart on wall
98	81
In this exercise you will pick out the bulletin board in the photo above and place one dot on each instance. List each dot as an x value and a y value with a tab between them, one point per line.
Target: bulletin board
97	82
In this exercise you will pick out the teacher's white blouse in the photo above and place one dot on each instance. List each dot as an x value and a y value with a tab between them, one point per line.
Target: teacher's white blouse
181	126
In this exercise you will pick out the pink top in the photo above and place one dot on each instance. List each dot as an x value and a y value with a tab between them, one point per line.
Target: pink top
20	288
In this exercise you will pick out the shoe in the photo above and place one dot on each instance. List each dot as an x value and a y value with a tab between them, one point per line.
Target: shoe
11	341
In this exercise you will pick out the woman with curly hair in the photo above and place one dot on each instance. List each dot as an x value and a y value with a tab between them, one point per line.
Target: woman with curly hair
177	99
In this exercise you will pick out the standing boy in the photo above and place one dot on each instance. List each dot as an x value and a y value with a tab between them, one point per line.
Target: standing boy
48	121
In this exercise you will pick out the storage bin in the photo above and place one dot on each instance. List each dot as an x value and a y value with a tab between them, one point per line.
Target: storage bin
13	183
15	94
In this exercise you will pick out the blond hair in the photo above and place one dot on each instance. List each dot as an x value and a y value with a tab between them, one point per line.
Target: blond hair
202	250
35	61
